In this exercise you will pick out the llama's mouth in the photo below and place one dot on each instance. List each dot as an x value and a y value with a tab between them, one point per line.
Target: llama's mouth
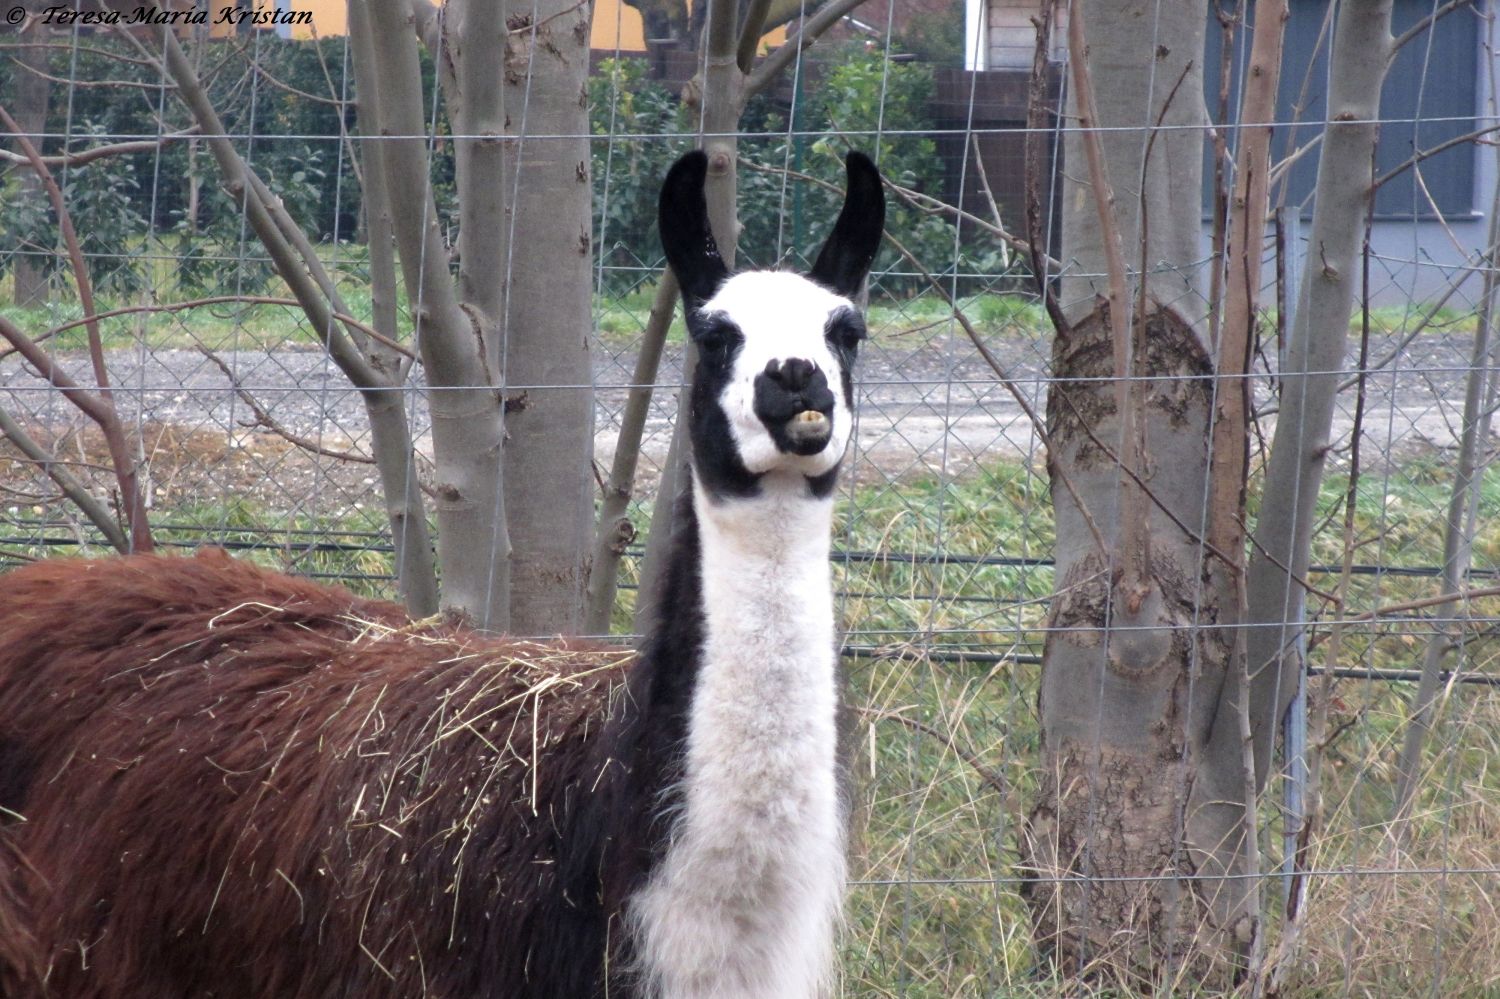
808	432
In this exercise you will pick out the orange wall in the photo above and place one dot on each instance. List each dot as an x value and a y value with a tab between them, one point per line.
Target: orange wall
330	17
615	24
615	27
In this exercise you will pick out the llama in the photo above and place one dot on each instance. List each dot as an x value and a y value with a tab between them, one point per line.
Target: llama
216	780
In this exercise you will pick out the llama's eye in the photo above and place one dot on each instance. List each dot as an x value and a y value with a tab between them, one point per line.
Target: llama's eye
716	339
847	333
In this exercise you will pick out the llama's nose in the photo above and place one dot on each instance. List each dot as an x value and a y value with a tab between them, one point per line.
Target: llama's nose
802	382
794	375
793	400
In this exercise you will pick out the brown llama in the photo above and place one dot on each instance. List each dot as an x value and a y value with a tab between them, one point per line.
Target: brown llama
219	781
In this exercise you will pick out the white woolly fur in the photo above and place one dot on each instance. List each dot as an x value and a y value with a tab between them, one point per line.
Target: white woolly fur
745	904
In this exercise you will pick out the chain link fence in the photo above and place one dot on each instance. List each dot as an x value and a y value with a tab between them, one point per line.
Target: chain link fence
249	437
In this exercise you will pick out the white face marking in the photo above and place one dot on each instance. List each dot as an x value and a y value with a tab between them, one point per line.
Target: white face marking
782	316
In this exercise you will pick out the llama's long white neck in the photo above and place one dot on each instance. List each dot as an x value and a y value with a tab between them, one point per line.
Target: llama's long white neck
744	905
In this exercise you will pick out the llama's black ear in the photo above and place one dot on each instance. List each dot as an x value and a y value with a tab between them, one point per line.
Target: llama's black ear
846	258
682	214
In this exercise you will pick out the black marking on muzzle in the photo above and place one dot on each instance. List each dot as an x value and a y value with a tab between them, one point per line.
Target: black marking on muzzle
793	400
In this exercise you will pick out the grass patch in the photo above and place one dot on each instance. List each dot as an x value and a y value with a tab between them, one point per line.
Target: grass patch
619	318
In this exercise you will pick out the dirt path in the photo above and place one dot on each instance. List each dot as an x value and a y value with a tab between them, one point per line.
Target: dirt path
931	407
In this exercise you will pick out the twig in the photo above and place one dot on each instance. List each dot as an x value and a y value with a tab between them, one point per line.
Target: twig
924	203
280	84
342	102
153	85
71	47
298	266
1301	581
1434	309
1227	22
1193	536
1248	207
1134	530
990	777
1432	151
1038	426
1457	596
76	492
265	419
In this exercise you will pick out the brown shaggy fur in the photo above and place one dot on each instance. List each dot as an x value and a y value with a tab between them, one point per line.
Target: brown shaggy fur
240	784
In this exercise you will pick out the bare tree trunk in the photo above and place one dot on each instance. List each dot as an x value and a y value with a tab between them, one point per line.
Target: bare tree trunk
1312	373
1221	830
549	494
1136	653
32	91
372	369
467	417
1309	378
720	95
614	531
195	182
1458	531
390	434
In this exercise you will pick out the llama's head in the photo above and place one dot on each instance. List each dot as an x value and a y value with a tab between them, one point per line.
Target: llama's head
772	393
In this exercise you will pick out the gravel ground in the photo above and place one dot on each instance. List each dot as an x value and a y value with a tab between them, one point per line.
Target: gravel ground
928	403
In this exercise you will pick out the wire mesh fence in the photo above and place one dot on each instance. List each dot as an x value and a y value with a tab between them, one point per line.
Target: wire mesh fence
249	436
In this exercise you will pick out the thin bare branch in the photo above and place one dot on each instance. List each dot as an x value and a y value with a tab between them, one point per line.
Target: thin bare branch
1426	23
86	156
991	777
1460	596
263	418
812	29
750	32
75	491
280	84
1248	207
195	303
614	530
152	85
1457	140
70	48
1220	191
1039	427
99	408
